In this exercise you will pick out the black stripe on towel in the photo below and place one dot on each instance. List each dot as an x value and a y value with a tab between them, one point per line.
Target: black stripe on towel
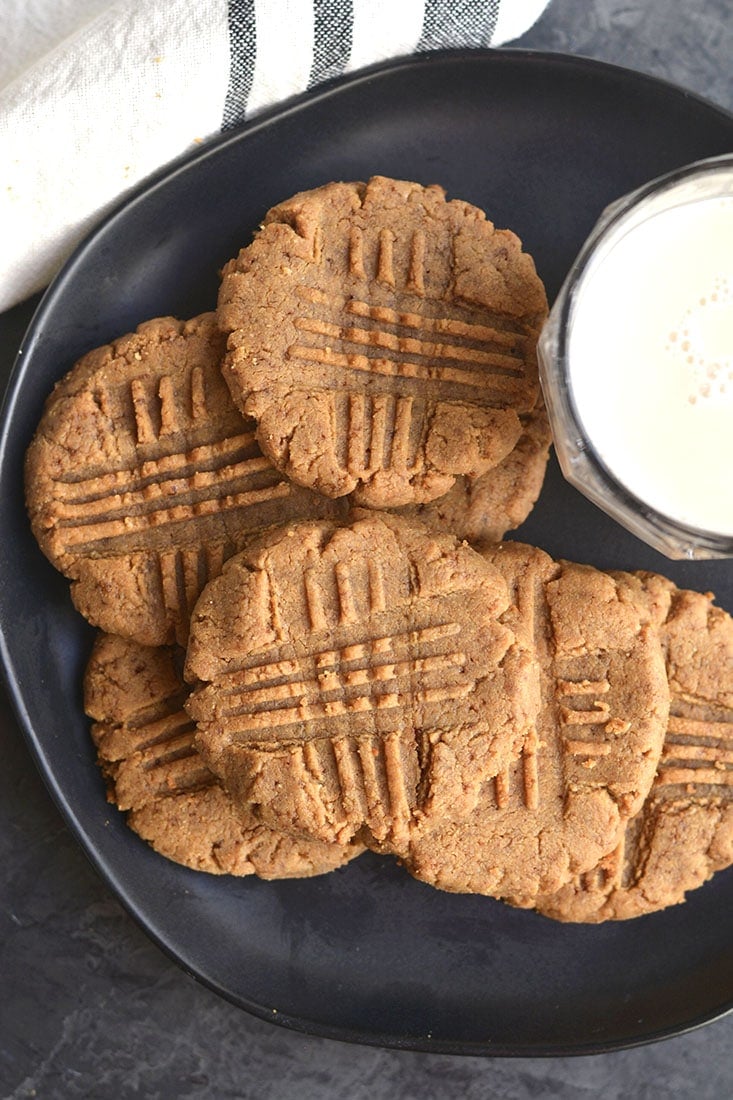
333	23
456	23
242	57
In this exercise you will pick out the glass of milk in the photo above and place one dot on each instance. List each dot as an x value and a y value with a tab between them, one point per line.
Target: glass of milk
636	362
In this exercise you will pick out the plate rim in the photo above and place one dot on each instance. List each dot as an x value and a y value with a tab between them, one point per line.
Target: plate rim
180	165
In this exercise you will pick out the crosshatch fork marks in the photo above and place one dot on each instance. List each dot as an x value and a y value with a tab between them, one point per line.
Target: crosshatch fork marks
698	751
378	252
160	758
477	335
575	717
89	485
616	870
380	686
84	536
377	430
182	574
363	675
445	350
589	711
526	790
377	339
126	501
152	726
369	777
443	321
345	593
159	410
183	487
520	783
406	371
180	578
697	756
266	669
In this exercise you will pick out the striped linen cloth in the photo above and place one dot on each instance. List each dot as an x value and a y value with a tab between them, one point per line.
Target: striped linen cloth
95	96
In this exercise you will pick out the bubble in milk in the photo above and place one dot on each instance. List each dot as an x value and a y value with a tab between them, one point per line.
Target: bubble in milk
707	343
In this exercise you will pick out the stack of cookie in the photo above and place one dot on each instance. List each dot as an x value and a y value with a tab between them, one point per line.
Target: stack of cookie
285	519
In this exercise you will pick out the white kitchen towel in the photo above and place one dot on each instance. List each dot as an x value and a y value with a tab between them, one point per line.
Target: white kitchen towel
95	96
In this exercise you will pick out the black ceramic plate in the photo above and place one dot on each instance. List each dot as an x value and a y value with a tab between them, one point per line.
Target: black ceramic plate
367	954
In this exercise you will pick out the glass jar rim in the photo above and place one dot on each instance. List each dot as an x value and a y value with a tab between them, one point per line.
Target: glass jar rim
628	508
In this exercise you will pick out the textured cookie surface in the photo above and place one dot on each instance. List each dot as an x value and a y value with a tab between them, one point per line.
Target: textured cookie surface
383	338
588	762
356	675
684	832
144	741
483	509
143	478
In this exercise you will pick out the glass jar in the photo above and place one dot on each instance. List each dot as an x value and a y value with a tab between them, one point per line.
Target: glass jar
636	363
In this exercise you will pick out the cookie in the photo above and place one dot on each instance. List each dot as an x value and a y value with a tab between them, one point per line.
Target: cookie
383	338
353	676
145	746
483	509
143	478
589	760
684	831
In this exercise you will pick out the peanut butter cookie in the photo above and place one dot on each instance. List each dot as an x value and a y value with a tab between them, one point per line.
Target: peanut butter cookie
589	760
143	478
353	676
684	831
145	746
383	338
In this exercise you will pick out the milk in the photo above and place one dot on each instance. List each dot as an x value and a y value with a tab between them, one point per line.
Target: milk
649	356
